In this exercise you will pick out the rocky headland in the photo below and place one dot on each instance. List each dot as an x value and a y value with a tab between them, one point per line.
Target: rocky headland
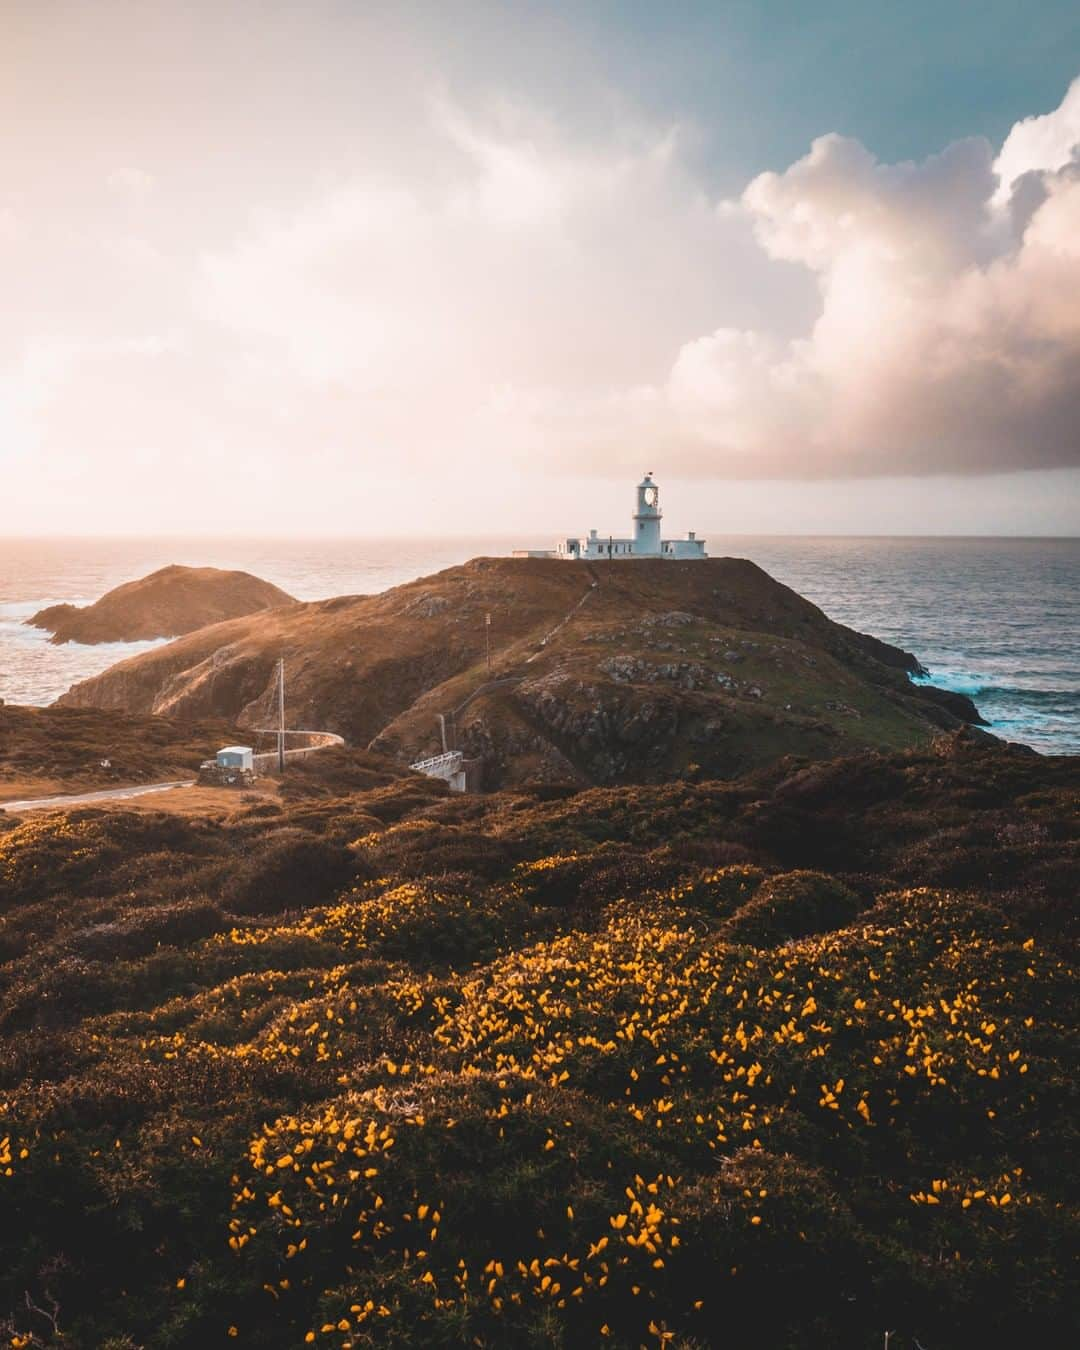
601	673
168	603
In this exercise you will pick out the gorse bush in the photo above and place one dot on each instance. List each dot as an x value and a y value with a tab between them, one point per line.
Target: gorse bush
429	848
563	1092
289	870
722	890
414	922
141	933
792	905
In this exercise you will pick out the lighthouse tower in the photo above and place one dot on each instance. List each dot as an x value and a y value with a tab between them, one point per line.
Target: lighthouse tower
645	542
647	519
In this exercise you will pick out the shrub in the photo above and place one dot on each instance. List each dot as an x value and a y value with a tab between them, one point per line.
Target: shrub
597	877
764	1223
722	890
292	870
424	924
429	848
146	929
623	1130
793	905
555	880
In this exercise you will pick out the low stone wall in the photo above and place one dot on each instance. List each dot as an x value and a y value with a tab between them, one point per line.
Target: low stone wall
213	774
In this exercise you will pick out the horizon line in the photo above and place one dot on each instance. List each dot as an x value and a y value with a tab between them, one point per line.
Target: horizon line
478	536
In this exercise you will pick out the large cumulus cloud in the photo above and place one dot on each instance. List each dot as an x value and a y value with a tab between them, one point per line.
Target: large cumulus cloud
948	337
548	303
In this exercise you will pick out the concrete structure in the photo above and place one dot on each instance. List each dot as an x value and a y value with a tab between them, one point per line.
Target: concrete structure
240	757
644	542
452	767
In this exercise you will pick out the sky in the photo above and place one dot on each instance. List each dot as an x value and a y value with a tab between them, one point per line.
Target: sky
472	268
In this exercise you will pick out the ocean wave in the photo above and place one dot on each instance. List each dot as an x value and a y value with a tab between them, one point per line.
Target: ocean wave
985	686
1065	699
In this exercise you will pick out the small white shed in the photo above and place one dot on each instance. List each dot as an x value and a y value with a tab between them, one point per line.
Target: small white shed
236	757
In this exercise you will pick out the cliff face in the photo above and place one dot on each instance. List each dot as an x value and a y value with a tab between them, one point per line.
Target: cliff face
599	673
167	603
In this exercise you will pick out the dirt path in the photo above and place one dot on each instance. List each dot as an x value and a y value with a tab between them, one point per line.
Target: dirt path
89	798
593	587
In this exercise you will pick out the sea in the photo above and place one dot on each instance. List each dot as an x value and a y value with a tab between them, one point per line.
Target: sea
995	618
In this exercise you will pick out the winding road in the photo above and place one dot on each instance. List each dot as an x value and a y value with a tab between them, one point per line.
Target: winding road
324	740
89	798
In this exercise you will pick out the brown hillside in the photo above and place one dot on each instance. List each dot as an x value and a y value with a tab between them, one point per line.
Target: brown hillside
167	603
600	673
60	749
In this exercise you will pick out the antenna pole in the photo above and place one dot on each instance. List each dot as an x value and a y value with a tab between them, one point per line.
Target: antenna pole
487	641
281	716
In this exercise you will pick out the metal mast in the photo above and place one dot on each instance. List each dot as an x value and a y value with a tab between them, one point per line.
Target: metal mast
281	716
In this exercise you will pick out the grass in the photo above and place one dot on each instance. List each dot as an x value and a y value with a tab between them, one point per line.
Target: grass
58	750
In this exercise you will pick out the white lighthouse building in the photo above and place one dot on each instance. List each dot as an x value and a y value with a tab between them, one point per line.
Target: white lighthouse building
644	542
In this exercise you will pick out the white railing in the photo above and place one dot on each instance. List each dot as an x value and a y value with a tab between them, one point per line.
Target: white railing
440	766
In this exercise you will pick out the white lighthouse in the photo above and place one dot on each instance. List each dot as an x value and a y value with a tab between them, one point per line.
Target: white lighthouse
645	542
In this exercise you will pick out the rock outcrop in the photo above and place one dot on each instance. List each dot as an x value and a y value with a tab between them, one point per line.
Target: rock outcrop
636	672
168	603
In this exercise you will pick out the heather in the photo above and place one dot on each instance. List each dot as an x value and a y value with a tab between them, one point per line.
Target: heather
782	1060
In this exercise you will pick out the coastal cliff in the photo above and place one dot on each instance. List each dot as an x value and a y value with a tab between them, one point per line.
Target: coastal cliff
598	673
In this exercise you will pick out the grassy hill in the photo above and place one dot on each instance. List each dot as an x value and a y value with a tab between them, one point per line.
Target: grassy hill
606	673
779	1061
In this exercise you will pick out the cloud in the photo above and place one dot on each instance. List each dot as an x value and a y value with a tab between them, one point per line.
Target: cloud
131	182
948	337
447	290
540	301
1040	144
508	304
